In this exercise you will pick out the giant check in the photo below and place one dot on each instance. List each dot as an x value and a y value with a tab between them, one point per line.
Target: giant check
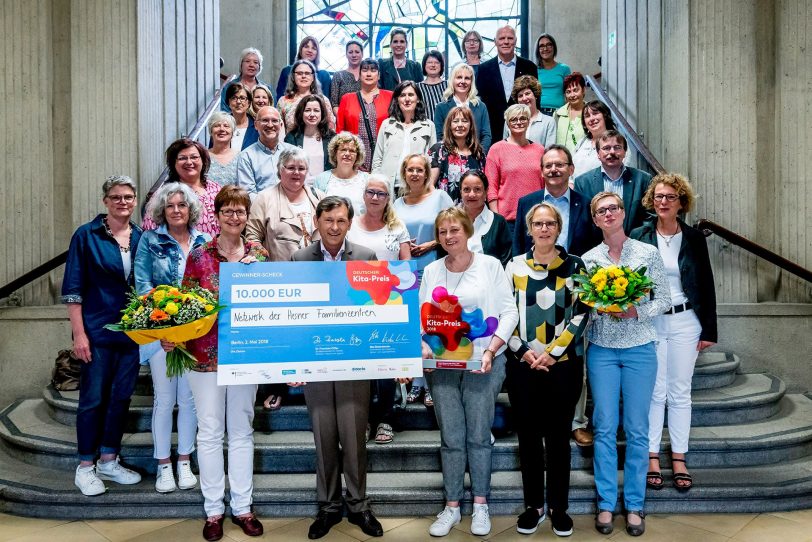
316	321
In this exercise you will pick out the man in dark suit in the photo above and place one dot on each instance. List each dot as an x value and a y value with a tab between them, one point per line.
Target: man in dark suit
627	182
338	410
494	82
577	235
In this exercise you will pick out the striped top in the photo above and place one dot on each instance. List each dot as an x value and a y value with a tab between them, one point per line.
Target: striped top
432	95
550	318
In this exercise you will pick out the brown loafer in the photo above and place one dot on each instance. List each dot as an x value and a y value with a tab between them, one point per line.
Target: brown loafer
249	524
582	437
213	529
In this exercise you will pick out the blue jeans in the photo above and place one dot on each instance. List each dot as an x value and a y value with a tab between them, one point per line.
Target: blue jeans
630	372
464	403
105	387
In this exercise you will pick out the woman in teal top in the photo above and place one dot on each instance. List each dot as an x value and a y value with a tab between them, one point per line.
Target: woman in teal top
551	74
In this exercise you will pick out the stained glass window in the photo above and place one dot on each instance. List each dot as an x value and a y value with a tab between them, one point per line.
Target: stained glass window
431	24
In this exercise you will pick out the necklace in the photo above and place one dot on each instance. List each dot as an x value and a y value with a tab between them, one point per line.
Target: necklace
468	265
667	238
121	247
228	252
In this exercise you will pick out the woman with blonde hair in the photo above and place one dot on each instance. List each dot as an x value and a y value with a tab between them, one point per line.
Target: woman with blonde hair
223	168
260	97
346	154
461	91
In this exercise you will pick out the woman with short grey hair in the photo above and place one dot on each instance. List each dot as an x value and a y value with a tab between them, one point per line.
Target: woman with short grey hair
250	68
98	276
161	259
223	167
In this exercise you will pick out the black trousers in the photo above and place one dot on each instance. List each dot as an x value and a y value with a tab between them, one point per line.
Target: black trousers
543	404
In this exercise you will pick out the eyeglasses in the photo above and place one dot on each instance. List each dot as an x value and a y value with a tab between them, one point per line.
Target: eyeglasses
231	213
471	40
376	194
239	98
194	158
127	198
556	165
539	225
518	120
545	45
608	209
303	74
667	197
266	122
295	169
609	148
347	151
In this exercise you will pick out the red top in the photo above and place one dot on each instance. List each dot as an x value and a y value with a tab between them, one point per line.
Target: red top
349	111
513	171
203	269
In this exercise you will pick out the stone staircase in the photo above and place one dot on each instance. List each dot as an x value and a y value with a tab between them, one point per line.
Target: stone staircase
751	451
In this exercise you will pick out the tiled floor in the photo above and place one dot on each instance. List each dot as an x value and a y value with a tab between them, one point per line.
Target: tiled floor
778	527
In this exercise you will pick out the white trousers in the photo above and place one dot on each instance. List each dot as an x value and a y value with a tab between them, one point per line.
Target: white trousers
222	409
167	392
677	338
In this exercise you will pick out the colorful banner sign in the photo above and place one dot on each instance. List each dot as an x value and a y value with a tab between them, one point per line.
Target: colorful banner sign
318	321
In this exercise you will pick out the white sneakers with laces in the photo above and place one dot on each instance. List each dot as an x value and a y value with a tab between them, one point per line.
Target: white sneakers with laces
87	481
480	520
165	479
445	521
112	470
186	479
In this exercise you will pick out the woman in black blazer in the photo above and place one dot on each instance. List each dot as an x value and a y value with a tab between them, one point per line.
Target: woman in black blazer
312	126
684	330
491	235
398	68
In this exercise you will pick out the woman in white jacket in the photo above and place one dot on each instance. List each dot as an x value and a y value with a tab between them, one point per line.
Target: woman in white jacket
406	131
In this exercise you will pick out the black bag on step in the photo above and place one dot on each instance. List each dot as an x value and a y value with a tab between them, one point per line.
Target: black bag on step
66	371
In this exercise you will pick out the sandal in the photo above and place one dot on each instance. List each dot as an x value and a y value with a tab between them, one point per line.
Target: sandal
384	434
654	478
427	399
684	477
414	394
272	402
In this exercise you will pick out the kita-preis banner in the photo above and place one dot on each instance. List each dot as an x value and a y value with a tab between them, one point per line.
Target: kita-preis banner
318	321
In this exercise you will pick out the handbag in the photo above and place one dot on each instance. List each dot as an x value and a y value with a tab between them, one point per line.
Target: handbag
65	376
366	123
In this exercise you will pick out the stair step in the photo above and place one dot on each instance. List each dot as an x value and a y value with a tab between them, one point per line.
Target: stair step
714	370
752	396
34	437
41	492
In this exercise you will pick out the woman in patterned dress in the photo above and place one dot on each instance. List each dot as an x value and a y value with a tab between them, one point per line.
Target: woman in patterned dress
458	152
544	378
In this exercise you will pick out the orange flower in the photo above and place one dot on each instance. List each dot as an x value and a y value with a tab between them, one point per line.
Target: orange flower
158	315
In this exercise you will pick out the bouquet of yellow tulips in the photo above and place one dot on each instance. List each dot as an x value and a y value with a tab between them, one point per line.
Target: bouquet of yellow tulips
173	314
614	288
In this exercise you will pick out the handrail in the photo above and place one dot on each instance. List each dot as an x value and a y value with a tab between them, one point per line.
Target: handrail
56	261
708	227
630	133
214	104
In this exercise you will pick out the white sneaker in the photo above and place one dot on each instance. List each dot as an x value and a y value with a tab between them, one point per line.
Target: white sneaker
87	481
186	479
480	520
112	470
445	521
165	479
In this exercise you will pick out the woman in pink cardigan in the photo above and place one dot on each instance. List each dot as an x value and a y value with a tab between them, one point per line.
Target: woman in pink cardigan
513	166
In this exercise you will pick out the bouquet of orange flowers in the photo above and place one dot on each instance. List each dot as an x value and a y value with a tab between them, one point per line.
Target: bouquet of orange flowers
173	314
614	288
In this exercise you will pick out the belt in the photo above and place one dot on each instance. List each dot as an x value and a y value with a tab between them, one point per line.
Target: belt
676	309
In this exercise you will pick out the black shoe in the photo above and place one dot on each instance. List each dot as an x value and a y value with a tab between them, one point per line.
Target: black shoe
636	530
529	521
324	522
604	528
367	522
562	523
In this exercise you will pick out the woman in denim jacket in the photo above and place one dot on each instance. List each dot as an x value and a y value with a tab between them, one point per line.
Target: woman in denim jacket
161	259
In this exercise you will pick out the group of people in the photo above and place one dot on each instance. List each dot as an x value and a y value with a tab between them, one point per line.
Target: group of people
495	225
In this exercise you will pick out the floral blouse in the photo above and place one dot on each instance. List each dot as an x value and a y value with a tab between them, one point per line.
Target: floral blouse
203	269
208	220
452	167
